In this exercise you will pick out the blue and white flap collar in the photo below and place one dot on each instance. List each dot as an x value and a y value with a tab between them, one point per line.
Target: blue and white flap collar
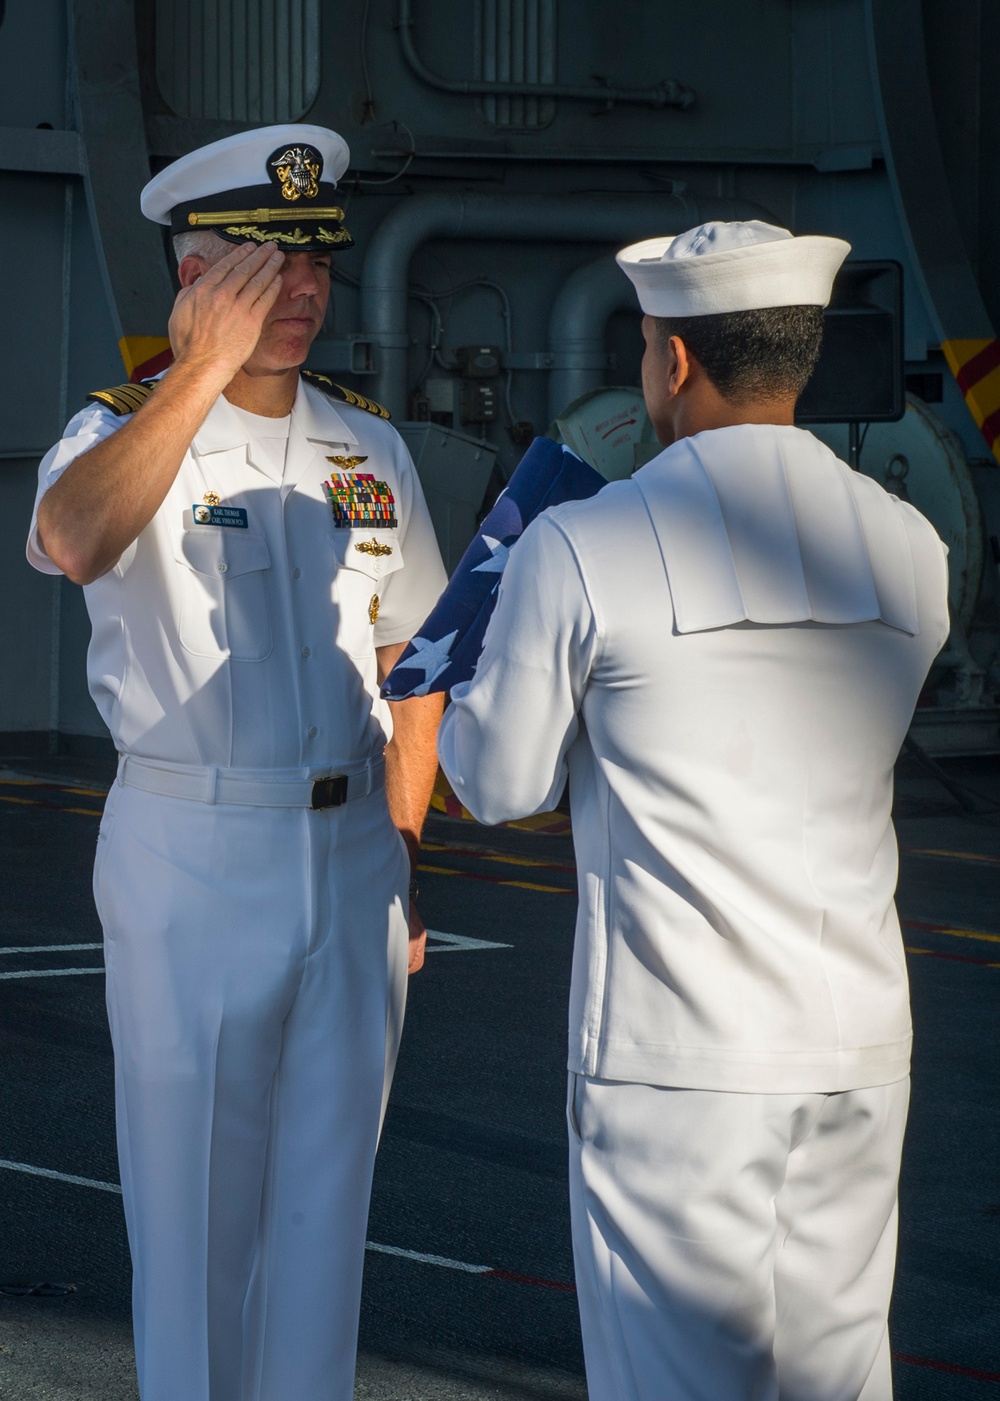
763	523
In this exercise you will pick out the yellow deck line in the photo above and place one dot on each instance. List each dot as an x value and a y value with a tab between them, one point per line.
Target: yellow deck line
52	807
966	934
542	821
494	856
59	787
529	885
951	855
936	953
521	884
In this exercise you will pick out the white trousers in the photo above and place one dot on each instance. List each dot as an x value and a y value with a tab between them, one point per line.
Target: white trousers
256	976
734	1247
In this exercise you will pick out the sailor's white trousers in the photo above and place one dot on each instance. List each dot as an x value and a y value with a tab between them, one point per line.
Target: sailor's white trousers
734	1247
256	975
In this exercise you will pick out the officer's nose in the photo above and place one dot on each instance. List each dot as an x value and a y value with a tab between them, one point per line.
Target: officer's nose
298	276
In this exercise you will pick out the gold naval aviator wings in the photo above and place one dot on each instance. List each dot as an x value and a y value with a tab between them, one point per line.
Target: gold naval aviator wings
348	462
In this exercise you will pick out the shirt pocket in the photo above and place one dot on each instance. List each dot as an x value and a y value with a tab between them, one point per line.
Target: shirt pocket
362	562
223	606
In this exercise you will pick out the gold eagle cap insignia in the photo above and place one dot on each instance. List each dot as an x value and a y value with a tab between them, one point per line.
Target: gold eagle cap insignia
349	463
374	548
298	170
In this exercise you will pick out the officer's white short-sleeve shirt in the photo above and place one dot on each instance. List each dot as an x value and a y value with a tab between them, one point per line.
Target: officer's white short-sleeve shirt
253	646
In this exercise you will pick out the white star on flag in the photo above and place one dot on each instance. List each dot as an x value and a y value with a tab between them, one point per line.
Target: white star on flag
497	562
431	658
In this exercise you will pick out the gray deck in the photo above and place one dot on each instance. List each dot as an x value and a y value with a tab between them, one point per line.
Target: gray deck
472	1167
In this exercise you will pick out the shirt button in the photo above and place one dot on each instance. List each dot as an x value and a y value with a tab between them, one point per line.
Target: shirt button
306	651
296	573
313	732
223	566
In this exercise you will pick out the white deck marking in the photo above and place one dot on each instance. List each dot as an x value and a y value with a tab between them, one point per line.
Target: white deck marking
444	943
447	943
423	1259
417	1255
50	973
51	948
60	1176
460	943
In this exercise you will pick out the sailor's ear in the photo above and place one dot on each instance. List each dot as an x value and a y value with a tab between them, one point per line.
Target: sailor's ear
679	365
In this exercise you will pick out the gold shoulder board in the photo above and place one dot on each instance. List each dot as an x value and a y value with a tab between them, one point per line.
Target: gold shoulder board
345	396
123	398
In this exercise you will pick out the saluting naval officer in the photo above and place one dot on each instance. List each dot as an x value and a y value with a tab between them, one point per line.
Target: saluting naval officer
724	653
255	551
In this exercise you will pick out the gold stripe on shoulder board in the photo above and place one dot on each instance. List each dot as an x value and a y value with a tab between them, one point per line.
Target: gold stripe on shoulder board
122	398
345	396
361	402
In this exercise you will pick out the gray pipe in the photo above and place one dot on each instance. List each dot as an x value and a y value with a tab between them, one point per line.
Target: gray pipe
611	219
580	313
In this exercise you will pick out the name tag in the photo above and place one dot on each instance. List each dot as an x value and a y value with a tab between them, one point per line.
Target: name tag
220	515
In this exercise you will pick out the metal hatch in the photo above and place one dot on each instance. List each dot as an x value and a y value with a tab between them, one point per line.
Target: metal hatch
238	60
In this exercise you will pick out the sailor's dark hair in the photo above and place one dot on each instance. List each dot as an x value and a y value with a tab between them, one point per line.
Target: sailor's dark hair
764	354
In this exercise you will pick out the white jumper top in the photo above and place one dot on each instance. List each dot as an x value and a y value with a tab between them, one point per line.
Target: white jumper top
253	646
724	653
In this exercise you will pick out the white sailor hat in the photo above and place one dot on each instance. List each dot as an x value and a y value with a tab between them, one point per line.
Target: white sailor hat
723	267
271	185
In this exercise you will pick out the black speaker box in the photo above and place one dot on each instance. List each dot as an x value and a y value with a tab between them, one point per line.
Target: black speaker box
859	377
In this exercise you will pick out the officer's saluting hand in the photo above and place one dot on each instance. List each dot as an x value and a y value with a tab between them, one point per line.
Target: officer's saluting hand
107	497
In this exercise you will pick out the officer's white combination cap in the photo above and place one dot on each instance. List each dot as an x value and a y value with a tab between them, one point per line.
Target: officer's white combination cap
723	267
274	184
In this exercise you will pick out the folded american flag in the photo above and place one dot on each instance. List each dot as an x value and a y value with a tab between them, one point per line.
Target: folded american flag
448	645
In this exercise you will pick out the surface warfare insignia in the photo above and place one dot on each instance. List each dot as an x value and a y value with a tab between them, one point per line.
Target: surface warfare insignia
375	548
359	501
348	463
298	169
373	608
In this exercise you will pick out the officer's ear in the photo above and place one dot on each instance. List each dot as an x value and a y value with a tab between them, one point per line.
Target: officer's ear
191	268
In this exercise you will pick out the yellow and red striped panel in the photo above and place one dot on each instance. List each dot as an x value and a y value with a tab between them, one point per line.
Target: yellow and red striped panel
976	367
145	356
443	800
